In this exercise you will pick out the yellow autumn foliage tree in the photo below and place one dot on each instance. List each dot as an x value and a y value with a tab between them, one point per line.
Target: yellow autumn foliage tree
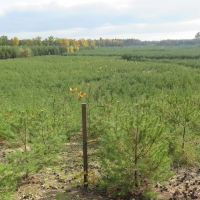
14	41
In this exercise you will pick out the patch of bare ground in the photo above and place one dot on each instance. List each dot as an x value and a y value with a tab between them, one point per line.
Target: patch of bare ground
184	185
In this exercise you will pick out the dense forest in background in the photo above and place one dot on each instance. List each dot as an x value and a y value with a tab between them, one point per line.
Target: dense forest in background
14	47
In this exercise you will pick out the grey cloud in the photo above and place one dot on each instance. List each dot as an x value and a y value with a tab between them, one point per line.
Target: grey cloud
136	17
45	21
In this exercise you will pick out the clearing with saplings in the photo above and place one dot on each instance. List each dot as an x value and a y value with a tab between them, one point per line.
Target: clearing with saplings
142	121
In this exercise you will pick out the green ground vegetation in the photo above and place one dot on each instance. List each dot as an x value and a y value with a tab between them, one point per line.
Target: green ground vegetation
142	106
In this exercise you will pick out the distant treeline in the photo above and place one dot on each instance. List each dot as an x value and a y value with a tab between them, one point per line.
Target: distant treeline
52	41
26	51
14	47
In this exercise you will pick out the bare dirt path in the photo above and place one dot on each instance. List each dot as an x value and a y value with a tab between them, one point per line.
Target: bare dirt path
64	180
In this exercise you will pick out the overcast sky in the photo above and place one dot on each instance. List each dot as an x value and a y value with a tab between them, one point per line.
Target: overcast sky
139	19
